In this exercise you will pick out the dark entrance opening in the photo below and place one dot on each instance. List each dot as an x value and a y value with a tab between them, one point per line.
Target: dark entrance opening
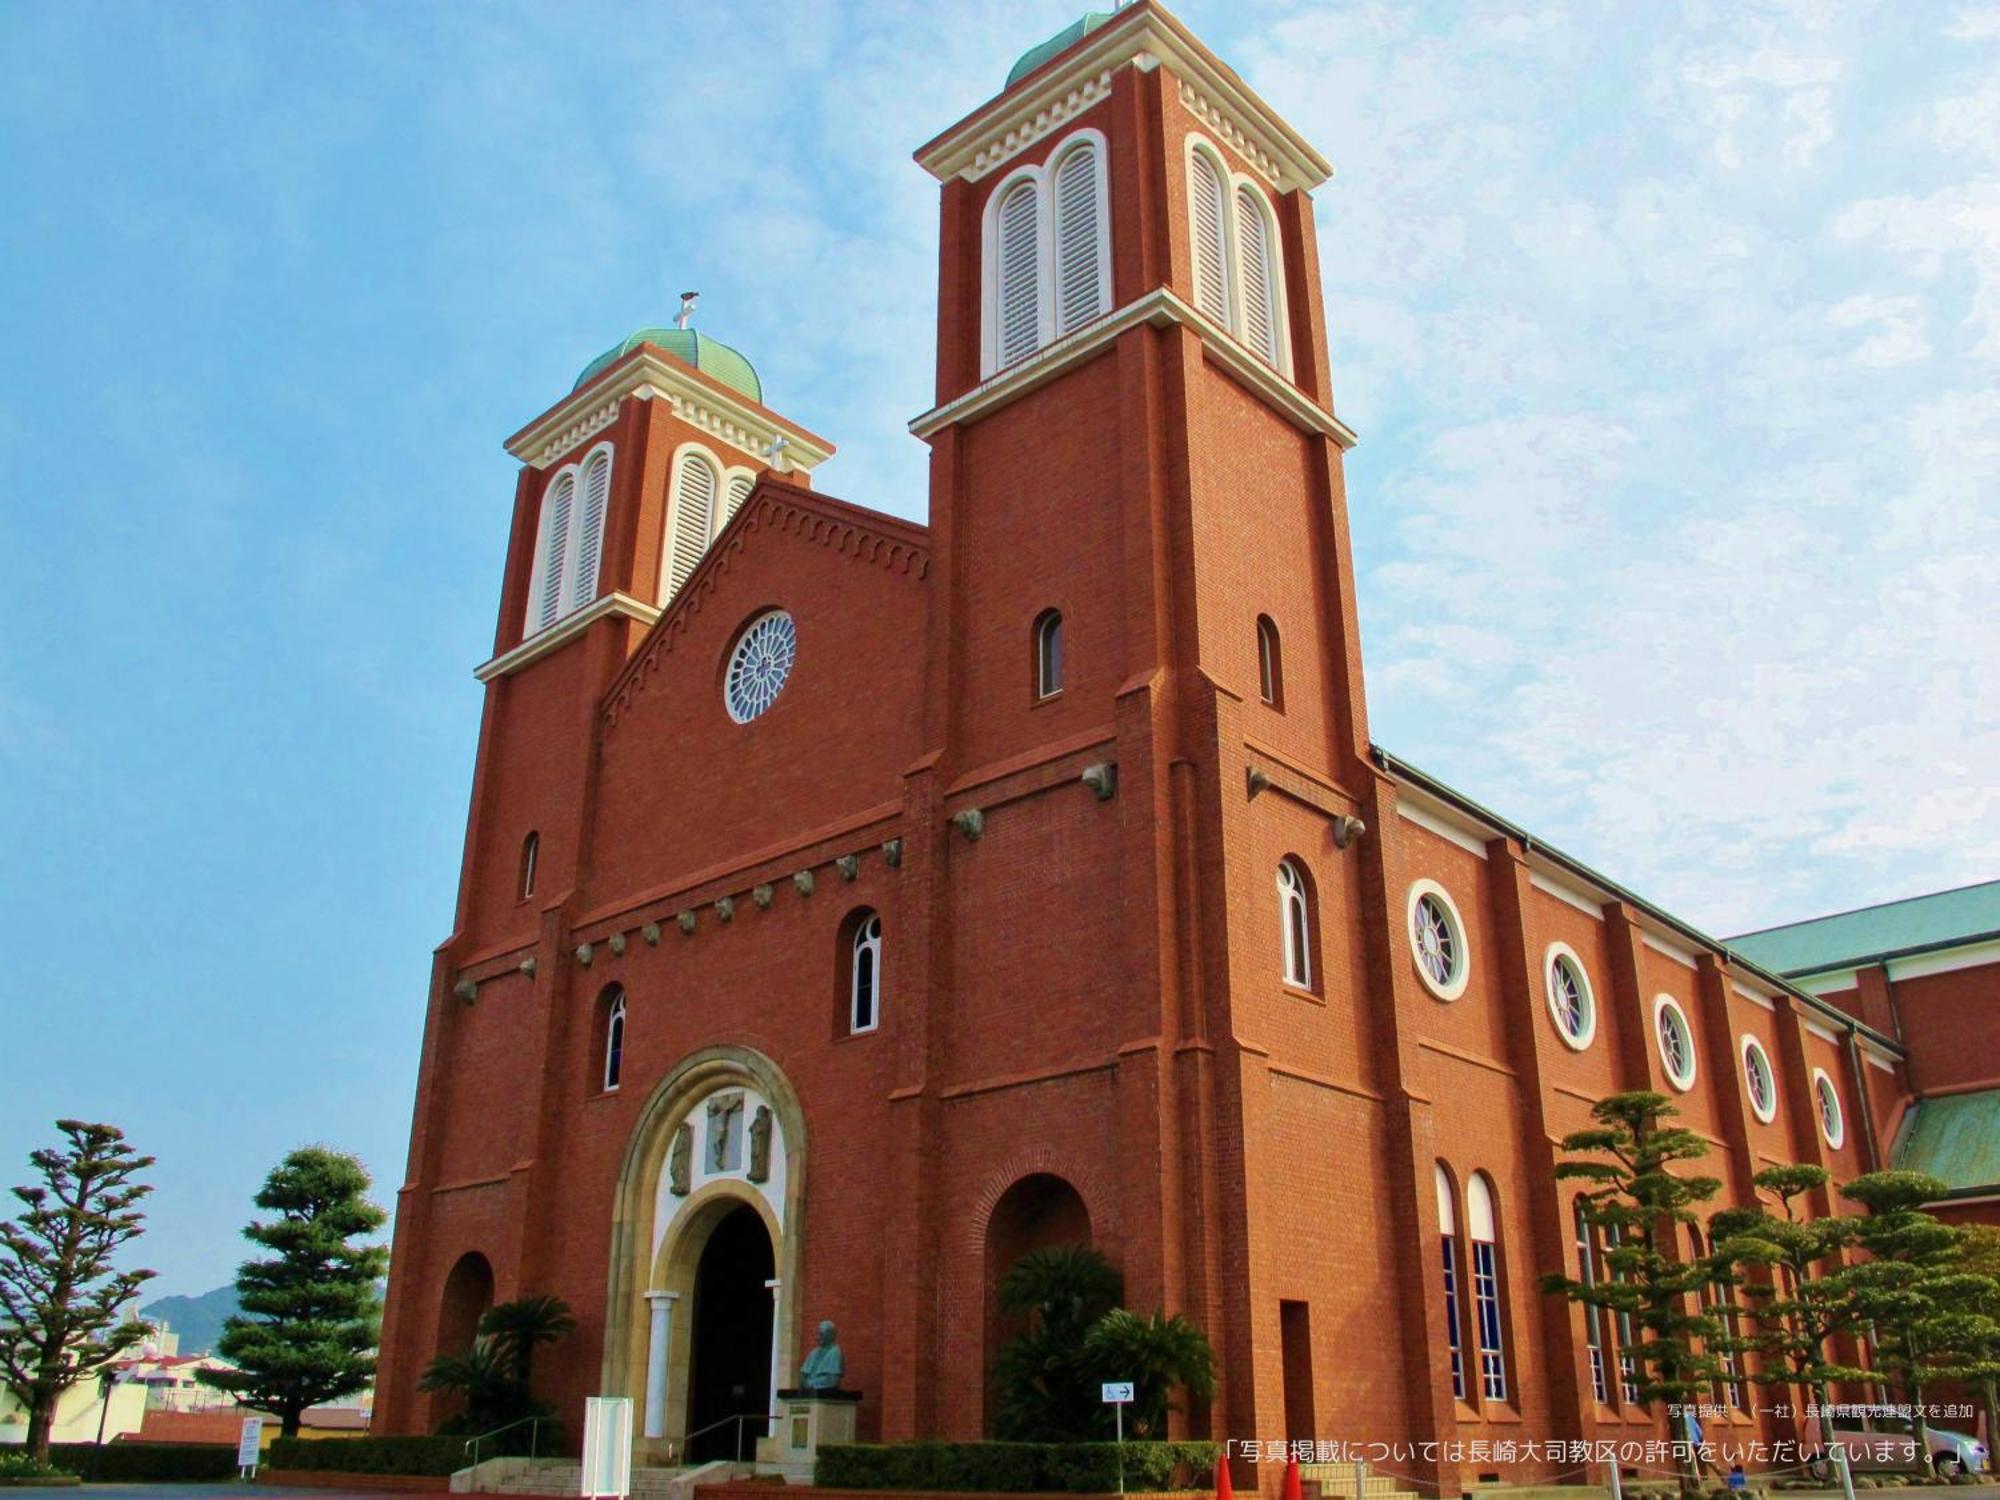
730	1373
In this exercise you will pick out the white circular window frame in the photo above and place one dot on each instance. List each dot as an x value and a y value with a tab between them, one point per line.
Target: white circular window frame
1559	952
1661	1005
1452	988
1769	1110
1823	1090
736	650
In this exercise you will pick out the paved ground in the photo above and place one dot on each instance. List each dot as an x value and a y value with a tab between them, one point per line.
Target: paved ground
227	1489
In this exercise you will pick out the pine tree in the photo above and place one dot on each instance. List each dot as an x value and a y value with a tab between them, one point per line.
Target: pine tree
59	1295
313	1312
1639	1201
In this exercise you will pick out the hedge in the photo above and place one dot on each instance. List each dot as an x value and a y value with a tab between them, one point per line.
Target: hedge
368	1455
1015	1467
115	1463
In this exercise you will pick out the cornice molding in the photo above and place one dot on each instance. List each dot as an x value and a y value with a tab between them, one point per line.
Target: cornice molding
650	374
853	536
1160	308
567	629
1146	36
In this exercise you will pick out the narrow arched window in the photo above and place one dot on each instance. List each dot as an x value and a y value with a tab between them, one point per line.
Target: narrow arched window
1593	1317
1295	915
694	518
557	508
1486	1288
740	486
614	1039
1259	275
1207	209
864	989
1270	665
1454	1306
1017	282
531	853
590	530
1081	269
1048	653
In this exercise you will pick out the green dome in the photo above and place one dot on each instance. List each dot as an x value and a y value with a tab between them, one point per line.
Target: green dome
711	356
1076	31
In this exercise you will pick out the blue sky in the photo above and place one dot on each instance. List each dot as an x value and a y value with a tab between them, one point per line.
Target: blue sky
1671	332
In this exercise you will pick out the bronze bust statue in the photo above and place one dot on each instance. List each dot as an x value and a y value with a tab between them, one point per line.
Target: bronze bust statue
822	1369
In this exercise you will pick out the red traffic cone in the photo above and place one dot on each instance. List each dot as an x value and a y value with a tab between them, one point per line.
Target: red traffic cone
1224	1490
1293	1490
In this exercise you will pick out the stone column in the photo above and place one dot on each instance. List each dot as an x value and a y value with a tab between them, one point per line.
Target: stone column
771	1402
659	1343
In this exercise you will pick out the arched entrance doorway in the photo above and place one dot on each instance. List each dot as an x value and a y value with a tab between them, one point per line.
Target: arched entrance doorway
1038	1210
730	1367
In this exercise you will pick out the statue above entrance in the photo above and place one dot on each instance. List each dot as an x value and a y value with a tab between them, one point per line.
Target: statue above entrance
822	1369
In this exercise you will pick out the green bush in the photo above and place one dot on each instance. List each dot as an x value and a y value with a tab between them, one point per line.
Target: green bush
368	1455
15	1464
1015	1467
116	1463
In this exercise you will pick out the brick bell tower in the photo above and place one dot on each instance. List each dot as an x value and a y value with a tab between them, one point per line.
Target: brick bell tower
1134	437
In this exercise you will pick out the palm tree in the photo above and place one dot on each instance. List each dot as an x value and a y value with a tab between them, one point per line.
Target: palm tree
514	1329
1062	1288
491	1394
1158	1355
1043	1390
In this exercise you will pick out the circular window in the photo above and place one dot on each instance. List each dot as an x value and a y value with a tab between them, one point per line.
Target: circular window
1831	1124
1437	940
1570	1001
759	665
1759	1081
1670	1024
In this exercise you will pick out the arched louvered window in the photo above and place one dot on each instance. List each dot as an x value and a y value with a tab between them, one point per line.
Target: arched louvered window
864	989
740	486
1270	664
695	485
1207	210
1048	653
1258	284
531	854
1081	263
1454	1304
1018	287
1486	1288
590	530
558	508
1295	915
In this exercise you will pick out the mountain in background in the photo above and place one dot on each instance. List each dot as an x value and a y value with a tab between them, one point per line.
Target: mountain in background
198	1320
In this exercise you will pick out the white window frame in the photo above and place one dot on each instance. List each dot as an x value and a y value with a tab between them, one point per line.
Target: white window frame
1049	669
1662	1006
736	644
1232	251
1826	1092
1746	1048
573	590
1454	1300
717	504
868	940
1454	986
1295	923
726	506
1489	1309
1042	175
1561	954
614	1055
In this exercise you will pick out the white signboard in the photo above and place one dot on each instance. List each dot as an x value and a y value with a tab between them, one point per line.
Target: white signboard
607	1448
1117	1392
250	1444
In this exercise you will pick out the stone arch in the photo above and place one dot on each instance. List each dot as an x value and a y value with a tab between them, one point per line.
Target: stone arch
649	1256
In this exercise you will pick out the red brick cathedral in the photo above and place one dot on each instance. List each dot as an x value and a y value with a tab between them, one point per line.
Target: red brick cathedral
850	905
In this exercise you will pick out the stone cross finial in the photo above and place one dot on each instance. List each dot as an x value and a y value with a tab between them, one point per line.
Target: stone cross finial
774	453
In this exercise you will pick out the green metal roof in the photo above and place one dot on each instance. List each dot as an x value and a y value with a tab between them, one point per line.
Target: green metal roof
1955	1137
1075	32
1915	925
698	349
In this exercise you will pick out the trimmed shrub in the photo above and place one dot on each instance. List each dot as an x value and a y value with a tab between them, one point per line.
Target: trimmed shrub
116	1463
368	1455
1015	1467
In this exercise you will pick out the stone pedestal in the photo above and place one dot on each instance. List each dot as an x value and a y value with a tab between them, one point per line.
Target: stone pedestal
805	1419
